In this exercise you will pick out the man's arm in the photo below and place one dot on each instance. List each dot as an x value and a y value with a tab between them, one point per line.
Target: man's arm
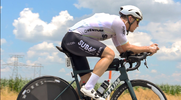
137	49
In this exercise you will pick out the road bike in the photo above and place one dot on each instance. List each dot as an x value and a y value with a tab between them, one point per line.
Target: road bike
55	88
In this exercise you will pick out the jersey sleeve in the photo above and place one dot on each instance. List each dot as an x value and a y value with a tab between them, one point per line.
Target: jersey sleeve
120	30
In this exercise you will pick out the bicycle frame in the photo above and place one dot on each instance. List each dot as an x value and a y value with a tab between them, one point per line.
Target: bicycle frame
122	77
59	88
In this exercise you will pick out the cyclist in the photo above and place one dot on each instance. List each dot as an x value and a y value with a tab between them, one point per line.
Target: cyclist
83	40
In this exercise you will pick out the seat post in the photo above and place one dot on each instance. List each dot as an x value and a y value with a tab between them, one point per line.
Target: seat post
73	68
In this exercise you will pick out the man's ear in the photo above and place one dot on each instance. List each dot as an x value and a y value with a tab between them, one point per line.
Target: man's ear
129	18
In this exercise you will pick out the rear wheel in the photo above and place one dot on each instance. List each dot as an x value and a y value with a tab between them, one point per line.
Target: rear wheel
47	88
144	90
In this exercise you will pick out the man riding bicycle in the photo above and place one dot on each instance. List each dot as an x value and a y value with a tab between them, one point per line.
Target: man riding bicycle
83	40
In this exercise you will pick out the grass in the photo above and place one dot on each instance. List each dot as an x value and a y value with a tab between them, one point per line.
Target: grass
170	89
18	83
7	94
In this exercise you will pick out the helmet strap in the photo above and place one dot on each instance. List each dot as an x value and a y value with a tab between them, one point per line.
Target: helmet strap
126	22
130	23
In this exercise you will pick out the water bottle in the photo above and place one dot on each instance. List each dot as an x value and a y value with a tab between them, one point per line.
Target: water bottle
102	87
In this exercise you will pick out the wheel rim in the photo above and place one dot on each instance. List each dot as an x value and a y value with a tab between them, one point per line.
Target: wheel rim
141	94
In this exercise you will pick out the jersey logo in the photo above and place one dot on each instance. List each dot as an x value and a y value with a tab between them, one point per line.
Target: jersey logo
85	46
99	51
93	30
104	36
123	30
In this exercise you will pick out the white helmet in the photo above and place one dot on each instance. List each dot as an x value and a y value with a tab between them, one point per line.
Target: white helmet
131	10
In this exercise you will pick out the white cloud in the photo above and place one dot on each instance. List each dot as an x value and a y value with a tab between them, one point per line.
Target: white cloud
12	60
44	46
153	71
138	76
164	1
68	74
3	41
167	32
6	69
45	53
152	11
172	53
30	63
140	39
42	49
29	27
1	8
1	50
137	71
179	66
176	76
62	70
167	36
2	62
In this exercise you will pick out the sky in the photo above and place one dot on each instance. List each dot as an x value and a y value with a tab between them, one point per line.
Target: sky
31	29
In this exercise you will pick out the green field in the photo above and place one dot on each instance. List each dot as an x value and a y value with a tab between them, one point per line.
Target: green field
18	83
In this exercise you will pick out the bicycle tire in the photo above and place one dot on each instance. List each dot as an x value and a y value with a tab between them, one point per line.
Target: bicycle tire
47	88
144	90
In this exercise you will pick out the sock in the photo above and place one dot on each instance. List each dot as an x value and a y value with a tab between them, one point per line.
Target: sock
92	81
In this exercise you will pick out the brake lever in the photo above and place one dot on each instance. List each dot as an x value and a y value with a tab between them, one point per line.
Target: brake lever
145	63
136	66
131	65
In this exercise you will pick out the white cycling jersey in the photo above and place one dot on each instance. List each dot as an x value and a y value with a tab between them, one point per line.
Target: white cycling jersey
102	26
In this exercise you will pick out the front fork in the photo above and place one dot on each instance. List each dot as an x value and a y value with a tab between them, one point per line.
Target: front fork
130	88
123	71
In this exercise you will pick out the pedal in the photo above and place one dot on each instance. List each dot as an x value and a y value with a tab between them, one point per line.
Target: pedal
84	97
87	98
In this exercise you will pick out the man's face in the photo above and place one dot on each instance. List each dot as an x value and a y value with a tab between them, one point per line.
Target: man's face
135	24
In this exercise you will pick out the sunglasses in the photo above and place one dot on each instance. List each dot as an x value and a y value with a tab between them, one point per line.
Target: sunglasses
138	20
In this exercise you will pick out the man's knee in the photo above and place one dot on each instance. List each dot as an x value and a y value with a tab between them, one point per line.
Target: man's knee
108	53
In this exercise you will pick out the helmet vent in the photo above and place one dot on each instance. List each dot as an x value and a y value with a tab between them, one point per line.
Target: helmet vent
138	13
121	8
130	10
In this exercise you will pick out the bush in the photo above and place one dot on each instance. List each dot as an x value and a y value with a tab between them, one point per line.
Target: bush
14	84
170	89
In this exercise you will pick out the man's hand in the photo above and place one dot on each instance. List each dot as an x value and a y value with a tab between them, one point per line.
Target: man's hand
153	48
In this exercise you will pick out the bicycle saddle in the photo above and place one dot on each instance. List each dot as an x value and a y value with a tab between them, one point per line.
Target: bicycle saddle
62	50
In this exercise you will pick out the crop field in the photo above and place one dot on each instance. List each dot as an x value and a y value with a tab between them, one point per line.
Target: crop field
11	87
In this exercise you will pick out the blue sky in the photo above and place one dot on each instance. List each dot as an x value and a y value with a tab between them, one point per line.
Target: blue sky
33	29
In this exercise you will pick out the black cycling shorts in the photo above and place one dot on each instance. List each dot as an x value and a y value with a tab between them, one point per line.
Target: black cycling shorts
80	47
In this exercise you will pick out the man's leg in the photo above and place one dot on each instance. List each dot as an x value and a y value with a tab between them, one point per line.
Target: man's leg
84	78
106	59
101	66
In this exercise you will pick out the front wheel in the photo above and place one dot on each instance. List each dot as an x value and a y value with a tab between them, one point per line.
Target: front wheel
144	90
47	88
